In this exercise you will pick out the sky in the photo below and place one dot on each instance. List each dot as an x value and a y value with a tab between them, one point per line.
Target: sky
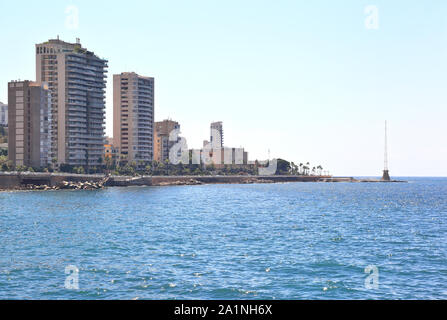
311	81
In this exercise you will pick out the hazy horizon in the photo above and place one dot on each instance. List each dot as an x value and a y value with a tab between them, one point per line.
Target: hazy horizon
308	81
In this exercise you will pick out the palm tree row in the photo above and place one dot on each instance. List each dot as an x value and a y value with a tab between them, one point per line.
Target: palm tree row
305	169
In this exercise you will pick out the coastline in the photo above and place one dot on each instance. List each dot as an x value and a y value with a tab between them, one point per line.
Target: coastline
15	181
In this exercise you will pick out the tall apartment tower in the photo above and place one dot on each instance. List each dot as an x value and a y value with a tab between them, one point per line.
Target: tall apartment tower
3	114
217	138
162	145
29	120
76	79
133	116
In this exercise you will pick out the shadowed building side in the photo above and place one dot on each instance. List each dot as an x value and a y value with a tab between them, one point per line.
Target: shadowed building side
3	115
29	124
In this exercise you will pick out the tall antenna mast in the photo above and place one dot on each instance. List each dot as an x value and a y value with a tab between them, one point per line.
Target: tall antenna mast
386	174
386	148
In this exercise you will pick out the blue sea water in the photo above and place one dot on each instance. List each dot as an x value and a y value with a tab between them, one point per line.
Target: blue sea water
262	241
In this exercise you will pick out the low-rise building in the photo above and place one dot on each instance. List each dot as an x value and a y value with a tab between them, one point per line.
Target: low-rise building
219	157
162	143
110	152
214	152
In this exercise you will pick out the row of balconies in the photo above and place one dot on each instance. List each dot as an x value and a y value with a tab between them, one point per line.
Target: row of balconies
85	83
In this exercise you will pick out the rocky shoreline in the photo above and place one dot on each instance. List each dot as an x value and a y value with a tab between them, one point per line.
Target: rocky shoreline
190	182
194	182
92	185
66	185
16	181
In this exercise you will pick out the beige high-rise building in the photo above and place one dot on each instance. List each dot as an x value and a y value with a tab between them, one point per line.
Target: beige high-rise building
76	79
162	145
133	116
29	120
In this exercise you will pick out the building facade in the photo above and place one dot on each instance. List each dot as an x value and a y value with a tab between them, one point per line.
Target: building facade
76	79
217	136
133	116
110	152
215	153
162	144
3	115
29	121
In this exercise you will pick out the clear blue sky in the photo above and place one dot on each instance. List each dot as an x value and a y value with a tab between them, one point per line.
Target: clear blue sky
305	79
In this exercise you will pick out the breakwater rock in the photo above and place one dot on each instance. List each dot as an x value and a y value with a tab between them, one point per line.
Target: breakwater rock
190	182
65	185
81	185
31	181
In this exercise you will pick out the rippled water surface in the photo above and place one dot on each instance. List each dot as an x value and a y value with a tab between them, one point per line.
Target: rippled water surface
272	241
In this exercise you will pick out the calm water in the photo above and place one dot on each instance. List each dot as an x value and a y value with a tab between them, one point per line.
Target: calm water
281	241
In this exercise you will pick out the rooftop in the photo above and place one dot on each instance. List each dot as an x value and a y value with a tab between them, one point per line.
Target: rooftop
67	46
135	74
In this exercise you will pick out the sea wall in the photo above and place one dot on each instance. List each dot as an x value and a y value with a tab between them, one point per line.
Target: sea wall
179	180
9	181
15	180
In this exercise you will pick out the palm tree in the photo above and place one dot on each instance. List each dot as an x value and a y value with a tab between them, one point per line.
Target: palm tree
54	164
167	166
305	168
160	168
320	170
294	168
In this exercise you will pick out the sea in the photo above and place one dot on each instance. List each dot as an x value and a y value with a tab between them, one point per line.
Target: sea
293	241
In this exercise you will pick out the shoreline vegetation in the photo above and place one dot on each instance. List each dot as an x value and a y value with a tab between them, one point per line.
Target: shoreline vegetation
166	168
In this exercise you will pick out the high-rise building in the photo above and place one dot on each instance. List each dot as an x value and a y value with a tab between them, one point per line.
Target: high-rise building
76	79
29	128
162	143
133	116
3	115
217	138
